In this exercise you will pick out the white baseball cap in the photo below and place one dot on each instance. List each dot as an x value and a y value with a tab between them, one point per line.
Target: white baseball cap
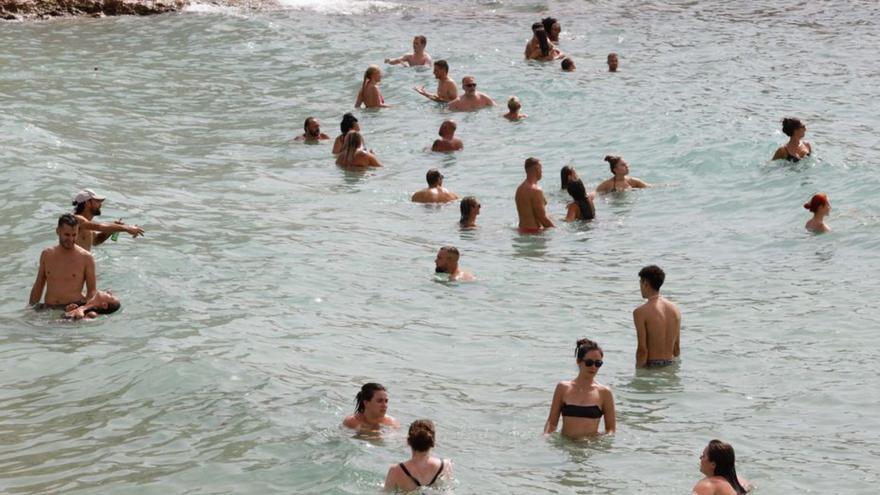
85	195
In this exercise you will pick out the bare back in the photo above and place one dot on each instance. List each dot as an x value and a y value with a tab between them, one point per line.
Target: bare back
530	206
434	195
658	326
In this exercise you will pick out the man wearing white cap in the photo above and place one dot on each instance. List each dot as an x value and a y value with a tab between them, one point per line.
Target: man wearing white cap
88	206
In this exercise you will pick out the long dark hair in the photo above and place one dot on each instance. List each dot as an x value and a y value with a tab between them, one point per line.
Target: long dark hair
579	193
366	394
722	455
544	41
565	176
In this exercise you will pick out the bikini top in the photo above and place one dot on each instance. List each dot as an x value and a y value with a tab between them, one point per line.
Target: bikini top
593	411
417	482
793	158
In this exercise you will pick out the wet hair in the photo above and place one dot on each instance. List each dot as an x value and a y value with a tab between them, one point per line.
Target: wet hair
612	54
68	219
544	41
513	103
816	201
80	207
366	394
442	63
567	63
613	161
421	435
654	275
453	250
421	39
110	309
368	75
548	23
433	177
306	123
791	124
531	162
348	121
536	26
722	454
583	346
448	122
565	176
579	193
468	203
350	144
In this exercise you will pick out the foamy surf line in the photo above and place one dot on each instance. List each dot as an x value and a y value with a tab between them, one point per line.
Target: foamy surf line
344	7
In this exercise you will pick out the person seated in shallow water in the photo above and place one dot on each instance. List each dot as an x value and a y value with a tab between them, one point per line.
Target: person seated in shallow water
435	192
612	62
657	322
313	132
447	262
417	58
546	50
718	464
582	207
446	87
353	153
102	303
513	107
422	469
470	208
371	406
471	99
796	149
820	206
369	95
447	141
621	181
349	123
64	269
566	175
583	401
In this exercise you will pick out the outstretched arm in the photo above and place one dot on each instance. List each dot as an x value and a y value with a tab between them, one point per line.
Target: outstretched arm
399	60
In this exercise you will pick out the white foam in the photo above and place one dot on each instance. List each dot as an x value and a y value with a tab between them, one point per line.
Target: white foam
344	7
210	8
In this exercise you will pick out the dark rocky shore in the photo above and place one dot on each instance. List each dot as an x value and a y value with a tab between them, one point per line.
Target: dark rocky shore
46	9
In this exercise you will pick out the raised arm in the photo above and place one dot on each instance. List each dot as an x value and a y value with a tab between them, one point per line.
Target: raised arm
555	409
91	282
609	412
39	283
642	335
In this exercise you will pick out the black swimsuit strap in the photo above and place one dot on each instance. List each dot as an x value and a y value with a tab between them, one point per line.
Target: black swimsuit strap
438	473
406	471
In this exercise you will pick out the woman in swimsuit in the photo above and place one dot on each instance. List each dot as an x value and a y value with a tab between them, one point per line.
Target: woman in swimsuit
620	181
566	175
353	153
371	406
795	149
820	207
717	463
582	402
421	469
349	123
546	50
551	25
369	95
582	207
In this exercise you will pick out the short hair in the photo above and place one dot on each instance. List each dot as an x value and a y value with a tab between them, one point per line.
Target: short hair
513	103
791	124
110	309
531	162
612	54
443	64
466	77
449	122
421	435
421	39
348	121
468	203
306	123
567	63
654	275
583	346
453	250
68	219
433	177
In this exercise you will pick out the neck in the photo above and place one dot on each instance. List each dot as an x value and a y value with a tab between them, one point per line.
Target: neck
652	296
794	140
87	215
421	456
584	378
373	420
818	216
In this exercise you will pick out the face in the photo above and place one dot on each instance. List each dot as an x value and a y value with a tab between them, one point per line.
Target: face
104	299
594	360
622	168
572	175
707	467
825	209
612	62
470	85
438	72
67	236
801	132
476	209
555	29
378	405
417	45
443	261
539	170
447	128
95	206
314	127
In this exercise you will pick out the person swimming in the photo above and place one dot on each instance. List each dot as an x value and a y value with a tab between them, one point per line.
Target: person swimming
514	106
796	149
582	207
820	206
568	65
370	410
470	208
353	153
620	181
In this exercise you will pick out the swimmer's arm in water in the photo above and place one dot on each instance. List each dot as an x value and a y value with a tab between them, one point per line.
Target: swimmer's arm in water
555	409
39	283
638	183
642	336
608	411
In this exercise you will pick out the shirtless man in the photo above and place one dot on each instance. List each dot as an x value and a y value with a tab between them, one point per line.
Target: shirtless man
88	206
533	43
313	132
612	62
514	106
102	303
447	262
446	88
658	322
417	57
435	192
530	200
447	141
64	269
471	99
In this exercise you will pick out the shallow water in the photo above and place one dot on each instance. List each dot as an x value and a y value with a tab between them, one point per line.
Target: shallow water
271	284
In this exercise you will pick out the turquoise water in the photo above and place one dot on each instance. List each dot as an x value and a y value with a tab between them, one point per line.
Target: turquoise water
271	284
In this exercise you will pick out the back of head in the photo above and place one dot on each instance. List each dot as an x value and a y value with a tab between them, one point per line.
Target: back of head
513	104
452	250
791	124
366	395
531	163
722	454
577	190
536	26
348	121
548	23
567	63
433	177
371	72
565	176
543	41
583	346
468	203
613	160
443	64
816	201
421	435
350	145
111	308
654	275
307	122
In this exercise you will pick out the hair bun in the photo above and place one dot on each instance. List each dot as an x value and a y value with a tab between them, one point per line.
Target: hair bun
807	205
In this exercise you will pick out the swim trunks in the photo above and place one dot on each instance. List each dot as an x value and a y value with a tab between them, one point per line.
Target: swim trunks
656	363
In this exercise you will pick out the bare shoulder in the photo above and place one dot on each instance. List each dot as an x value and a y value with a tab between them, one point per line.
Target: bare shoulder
351	422
82	252
704	487
390	421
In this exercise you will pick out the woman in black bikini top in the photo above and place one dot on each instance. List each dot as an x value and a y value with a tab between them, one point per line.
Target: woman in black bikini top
620	181
421	469
795	149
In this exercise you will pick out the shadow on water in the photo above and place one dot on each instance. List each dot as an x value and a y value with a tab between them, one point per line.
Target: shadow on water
530	245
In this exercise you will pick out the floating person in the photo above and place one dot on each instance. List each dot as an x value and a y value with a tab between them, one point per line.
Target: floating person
717	462
313	132
447	141
422	469
582	208
470	208
102	303
369	95
64	269
820	206
546	50
620	181
447	90
371	408
657	322
353	153
533	44
530	201
418	57
568	65
612	62
447	262
796	149
471	99
513	107
583	401
435	192
551	25
566	175
87	206
349	123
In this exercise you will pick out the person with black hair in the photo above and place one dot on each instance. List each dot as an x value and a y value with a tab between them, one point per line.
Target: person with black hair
312	134
64	269
657	322
533	41
371	406
582	207
102	303
568	65
551	25
612	62
566	175
796	149
447	90
349	123
87	206
717	462
546	50
422	469
435	192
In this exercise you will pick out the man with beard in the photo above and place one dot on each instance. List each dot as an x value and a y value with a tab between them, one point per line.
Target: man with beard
447	262
64	269
88	206
313	132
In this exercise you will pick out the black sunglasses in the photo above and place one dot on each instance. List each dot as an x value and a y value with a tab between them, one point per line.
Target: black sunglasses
472	85
589	362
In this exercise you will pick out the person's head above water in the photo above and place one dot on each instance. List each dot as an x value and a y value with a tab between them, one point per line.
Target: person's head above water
469	207
543	41
719	459
818	202
617	164
513	104
447	260
447	129
419	42
577	190
568	64
421	435
651	278
434	178
352	142
312	127
88	200
349	122
469	83
791	126
372	400
441	69
536	26
612	62
566	175
373	73
533	167
67	229
583	346
104	303
551	25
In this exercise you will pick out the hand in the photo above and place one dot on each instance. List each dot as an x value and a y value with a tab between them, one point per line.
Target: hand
70	307
134	230
76	314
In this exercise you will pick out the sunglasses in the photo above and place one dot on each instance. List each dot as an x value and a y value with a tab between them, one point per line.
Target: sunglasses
589	362
472	85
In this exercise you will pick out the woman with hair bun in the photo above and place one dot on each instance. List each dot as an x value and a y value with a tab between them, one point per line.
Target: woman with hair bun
370	407
582	402
820	207
620	181
422	469
717	463
796	149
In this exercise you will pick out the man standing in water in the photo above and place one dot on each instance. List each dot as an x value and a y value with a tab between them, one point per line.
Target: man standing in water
471	99
418	57
530	200
447	141
64	269
447	262
658	322
88	206
313	132
446	88
435	192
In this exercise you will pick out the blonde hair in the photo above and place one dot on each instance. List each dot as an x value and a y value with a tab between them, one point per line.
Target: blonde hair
512	102
352	142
